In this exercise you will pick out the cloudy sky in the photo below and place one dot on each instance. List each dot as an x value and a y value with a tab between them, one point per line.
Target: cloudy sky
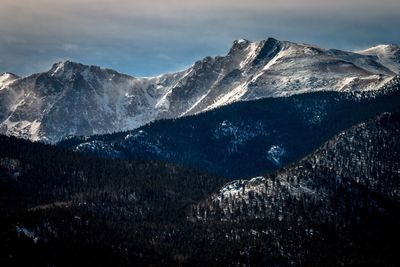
149	37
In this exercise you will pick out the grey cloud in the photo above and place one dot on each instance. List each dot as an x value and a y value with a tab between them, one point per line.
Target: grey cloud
151	37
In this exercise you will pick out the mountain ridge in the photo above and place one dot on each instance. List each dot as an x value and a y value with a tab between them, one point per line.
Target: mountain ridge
244	138
93	100
345	193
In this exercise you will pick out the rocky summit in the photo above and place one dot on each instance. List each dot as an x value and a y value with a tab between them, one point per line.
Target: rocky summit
76	99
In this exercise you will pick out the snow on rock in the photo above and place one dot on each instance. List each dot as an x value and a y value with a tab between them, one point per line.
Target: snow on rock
275	153
6	79
242	41
25	232
99	147
240	188
386	54
76	99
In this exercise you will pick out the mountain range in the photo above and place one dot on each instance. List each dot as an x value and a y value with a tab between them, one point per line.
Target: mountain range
245	139
276	154
76	99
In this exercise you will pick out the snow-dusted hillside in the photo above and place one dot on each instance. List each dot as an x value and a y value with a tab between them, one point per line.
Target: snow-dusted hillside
75	99
353	171
6	79
387	55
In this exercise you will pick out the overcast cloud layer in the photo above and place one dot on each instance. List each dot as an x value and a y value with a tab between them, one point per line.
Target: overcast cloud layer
149	37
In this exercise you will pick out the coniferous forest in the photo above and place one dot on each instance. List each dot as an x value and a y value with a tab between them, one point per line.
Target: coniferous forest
269	133
340	204
133	133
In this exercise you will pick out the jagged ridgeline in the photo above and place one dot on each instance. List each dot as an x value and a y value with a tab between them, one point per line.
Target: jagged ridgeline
339	205
76	99
248	138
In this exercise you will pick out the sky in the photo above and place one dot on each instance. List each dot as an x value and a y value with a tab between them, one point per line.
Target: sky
151	37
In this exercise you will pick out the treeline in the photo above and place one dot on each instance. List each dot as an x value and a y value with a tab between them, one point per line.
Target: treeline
235	141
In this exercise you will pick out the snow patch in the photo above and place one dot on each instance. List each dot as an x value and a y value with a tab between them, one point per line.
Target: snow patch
22	231
275	154
388	55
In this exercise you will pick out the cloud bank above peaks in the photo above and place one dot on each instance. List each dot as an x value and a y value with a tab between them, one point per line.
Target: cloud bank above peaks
149	37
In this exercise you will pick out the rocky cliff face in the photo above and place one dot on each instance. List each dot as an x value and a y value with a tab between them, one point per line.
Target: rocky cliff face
75	99
72	98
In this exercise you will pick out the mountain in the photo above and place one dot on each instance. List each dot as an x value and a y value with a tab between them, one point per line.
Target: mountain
339	205
387	55
245	139
76	99
6	78
73	98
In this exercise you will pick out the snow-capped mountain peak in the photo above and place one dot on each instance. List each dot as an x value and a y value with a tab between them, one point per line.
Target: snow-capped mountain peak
386	54
77	99
6	78
382	48
239	45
